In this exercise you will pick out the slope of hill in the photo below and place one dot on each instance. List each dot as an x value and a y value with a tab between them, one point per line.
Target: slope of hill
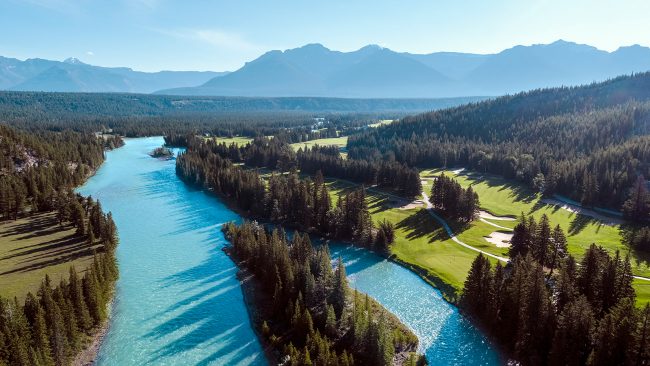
589	143
73	75
372	71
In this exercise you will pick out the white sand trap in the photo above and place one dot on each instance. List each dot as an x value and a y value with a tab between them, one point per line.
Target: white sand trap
411	205
489	216
607	220
501	240
458	171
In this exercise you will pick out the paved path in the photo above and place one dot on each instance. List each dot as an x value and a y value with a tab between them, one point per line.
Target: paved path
493	224
451	233
455	239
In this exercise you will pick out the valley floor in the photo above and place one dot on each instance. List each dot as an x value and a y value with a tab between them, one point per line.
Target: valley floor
423	242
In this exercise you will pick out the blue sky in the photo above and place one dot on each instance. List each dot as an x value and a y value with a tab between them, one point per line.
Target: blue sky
216	35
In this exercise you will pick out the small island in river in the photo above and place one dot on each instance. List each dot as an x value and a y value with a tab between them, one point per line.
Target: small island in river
162	152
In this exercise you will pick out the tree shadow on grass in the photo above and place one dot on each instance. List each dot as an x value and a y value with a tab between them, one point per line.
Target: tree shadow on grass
420	225
640	257
580	222
518	190
32	228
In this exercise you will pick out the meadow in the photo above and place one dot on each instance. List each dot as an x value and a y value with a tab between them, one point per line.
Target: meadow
34	246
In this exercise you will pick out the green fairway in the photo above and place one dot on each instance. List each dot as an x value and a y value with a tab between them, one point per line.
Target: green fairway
341	142
35	246
239	140
502	197
419	240
642	289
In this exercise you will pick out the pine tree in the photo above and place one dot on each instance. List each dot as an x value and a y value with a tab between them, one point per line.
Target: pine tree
478	288
82	314
40	342
571	343
558	247
637	206
339	293
640	352
55	324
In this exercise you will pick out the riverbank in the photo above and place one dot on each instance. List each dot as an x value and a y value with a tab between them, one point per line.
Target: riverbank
88	356
255	301
278	334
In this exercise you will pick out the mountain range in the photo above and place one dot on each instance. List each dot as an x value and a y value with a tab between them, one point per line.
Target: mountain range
370	72
73	75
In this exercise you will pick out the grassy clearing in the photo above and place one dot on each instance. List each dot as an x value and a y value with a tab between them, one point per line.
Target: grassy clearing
419	240
381	123
239	140
506	198
642	289
502	197
341	142
35	246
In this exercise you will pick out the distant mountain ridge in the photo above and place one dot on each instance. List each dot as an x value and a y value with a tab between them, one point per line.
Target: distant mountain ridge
376	72
370	72
73	75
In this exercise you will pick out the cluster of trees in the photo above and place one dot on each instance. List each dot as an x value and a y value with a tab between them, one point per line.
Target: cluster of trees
38	167
589	143
310	314
547	246
51	327
637	206
639	239
390	174
585	314
299	203
161	152
453	200
276	154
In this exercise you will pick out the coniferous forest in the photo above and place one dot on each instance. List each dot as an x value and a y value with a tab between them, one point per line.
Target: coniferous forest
37	173
285	199
310	314
588	143
581	314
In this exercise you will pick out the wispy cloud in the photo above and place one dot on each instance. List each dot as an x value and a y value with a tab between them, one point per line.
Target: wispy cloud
90	53
214	37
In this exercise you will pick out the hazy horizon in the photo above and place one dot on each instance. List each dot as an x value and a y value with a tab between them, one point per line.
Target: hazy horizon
155	35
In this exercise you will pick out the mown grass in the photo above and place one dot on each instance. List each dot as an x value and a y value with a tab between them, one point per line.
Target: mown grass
35	246
420	241
506	198
642	289
341	142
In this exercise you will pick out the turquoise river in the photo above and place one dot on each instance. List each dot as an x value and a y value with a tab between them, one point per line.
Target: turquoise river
178	301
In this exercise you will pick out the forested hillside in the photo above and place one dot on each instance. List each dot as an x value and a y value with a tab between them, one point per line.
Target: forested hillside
38	171
589	143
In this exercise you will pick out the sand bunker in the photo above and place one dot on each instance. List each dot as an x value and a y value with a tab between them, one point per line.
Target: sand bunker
501	240
410	205
607	220
489	216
